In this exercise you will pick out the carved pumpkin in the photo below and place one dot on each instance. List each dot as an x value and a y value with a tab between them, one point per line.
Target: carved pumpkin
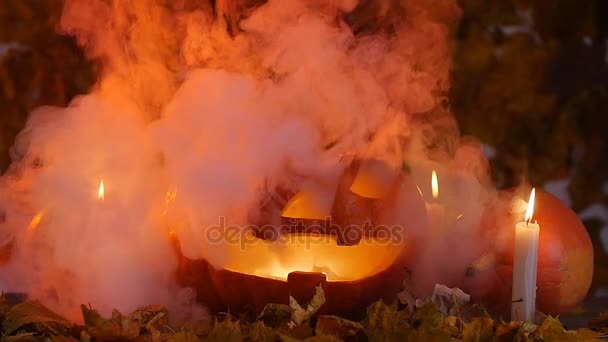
354	271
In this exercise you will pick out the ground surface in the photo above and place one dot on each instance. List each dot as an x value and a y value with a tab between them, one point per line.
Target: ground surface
435	319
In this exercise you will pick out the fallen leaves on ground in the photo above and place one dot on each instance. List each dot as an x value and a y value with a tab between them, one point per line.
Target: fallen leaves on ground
434	320
34	313
300	314
601	323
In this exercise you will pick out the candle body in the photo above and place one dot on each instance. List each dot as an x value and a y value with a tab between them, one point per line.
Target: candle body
436	218
525	259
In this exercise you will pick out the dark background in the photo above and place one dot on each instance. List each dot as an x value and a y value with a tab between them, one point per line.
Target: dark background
530	81
539	98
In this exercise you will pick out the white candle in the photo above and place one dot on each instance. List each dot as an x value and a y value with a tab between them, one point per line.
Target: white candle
525	259
435	211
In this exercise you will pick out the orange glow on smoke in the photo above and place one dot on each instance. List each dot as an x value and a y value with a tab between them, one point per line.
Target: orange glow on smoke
307	204
374	179
35	222
170	196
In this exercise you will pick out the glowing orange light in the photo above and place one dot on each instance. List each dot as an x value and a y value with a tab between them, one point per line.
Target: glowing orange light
170	196
530	210
35	222
101	192
419	191
374	179
312	253
307	204
434	185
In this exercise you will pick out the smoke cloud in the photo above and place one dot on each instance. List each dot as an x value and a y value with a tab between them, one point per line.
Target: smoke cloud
221	103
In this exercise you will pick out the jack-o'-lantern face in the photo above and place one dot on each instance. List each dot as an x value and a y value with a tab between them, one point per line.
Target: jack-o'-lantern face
341	231
349	239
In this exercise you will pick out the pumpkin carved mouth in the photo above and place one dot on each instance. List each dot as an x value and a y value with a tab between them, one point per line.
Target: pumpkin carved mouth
313	253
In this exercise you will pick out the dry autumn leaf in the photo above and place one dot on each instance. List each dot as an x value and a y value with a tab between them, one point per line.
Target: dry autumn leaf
299	314
31	312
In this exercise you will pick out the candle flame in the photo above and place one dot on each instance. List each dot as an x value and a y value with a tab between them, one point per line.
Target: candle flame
530	210
35	222
434	185
170	196
101	192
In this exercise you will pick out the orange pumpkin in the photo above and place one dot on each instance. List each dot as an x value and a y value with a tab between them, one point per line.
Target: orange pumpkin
237	288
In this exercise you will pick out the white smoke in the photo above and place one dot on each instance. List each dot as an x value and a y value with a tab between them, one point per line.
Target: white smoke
222	104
